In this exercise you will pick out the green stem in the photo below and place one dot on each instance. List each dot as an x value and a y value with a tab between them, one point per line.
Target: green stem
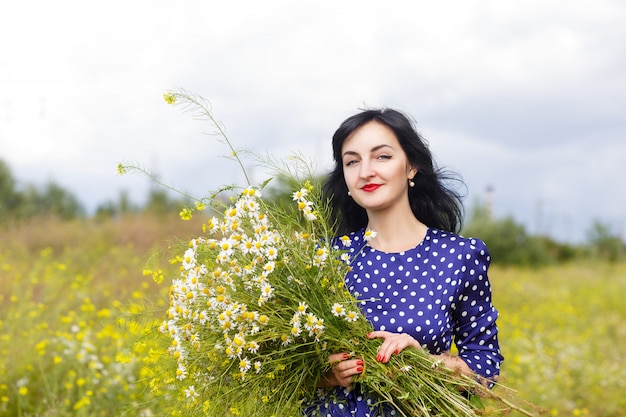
194	102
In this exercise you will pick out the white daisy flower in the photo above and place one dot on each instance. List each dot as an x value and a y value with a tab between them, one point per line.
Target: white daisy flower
369	235
253	347
351	316
181	372
338	310
309	215
300	194
189	259
191	393
271	253
244	366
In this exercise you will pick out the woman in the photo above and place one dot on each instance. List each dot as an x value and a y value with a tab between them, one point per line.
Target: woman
421	285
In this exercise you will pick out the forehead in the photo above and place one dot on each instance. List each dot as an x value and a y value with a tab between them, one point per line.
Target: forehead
370	135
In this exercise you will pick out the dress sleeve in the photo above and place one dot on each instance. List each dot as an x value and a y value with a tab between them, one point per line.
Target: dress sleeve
476	331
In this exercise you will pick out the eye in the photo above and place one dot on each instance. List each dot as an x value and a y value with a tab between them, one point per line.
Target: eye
384	157
350	162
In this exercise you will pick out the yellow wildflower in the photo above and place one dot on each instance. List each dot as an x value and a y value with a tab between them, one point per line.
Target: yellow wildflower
169	97
186	214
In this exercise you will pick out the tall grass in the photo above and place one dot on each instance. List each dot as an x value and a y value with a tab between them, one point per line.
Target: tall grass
70	293
563	331
76	316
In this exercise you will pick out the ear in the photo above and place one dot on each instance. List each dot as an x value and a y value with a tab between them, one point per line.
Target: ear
412	171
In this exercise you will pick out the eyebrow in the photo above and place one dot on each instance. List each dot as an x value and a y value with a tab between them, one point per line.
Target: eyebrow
374	149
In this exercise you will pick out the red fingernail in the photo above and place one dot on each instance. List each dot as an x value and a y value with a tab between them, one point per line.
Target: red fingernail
346	356
359	362
396	351
359	369
369	334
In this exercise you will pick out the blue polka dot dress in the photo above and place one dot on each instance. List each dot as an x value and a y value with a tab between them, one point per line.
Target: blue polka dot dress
438	292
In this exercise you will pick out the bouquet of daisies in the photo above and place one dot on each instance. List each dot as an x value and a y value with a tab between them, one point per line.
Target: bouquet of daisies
260	303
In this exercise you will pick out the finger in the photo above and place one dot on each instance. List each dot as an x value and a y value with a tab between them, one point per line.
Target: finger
359	366
389	348
349	369
378	334
384	353
338	357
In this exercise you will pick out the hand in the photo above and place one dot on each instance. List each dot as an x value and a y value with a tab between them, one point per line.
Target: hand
343	370
454	363
393	343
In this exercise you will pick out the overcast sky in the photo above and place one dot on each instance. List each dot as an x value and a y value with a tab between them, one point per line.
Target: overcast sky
527	97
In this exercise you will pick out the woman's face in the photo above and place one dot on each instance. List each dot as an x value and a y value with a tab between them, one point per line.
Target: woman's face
375	167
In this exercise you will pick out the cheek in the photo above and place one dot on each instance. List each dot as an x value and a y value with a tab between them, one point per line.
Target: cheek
347	176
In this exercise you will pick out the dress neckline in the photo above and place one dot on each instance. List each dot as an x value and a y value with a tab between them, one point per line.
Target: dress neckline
421	243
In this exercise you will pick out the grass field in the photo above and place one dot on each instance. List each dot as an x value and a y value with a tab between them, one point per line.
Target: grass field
77	314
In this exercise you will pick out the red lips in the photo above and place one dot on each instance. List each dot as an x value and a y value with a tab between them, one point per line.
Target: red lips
370	187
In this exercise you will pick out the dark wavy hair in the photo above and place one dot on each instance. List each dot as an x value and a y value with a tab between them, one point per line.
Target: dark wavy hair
433	200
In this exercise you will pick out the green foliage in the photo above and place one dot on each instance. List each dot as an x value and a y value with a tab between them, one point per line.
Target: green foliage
605	245
160	203
279	192
121	207
510	244
50	200
8	195
53	200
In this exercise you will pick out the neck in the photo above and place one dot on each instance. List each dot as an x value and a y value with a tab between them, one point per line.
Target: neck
397	232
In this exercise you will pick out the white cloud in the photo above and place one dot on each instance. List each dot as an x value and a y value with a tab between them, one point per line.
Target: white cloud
511	94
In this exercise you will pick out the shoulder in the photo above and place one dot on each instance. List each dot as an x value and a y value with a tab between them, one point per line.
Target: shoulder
470	248
443	237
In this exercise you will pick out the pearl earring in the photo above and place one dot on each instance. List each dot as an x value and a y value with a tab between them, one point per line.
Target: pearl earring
349	194
411	183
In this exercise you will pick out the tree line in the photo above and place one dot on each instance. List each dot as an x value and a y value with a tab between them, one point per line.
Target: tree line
508	241
53	200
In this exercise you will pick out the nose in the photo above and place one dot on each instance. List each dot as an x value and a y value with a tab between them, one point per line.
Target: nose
365	170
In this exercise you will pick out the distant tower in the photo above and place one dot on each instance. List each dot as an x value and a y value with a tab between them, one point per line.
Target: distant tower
489	201
539	228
